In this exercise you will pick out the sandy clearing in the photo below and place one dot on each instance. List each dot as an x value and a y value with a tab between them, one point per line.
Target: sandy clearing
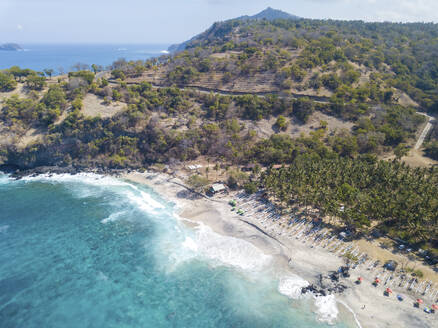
94	106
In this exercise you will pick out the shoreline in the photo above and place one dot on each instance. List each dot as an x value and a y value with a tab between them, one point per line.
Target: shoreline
305	261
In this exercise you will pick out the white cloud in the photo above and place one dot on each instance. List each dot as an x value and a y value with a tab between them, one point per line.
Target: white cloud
373	10
408	10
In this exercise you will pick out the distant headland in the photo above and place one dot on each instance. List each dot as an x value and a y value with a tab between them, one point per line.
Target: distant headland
10	47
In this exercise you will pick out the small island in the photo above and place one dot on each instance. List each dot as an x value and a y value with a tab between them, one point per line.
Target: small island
10	47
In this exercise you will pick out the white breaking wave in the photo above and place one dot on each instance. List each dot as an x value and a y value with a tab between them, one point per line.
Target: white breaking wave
85	178
113	217
136	196
220	250
190	244
291	286
143	200
327	310
4	179
229	250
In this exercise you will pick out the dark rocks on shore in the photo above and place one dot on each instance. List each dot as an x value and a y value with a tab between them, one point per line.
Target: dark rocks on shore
317	291
325	286
17	173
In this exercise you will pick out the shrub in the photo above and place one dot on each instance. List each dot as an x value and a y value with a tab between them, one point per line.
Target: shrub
432	150
35	82
85	75
77	104
250	187
7	82
197	182
55	97
282	123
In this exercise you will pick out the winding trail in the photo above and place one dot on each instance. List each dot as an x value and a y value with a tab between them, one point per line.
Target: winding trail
425	131
208	90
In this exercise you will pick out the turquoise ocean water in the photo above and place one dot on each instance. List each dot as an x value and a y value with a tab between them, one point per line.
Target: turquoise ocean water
87	251
64	56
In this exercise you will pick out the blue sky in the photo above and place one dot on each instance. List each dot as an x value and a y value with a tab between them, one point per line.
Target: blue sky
168	21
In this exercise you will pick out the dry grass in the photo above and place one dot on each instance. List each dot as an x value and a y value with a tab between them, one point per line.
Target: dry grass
20	91
416	158
265	128
94	106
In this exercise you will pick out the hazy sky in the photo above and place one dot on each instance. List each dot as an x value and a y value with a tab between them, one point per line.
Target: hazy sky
168	21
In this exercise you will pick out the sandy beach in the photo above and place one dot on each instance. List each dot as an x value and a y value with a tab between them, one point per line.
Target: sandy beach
360	305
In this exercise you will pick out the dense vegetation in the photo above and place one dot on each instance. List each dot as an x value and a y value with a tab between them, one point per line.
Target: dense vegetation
397	55
362	69
364	194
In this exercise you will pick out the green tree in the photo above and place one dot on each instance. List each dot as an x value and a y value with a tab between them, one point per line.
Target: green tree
250	187
35	82
197	182
431	150
7	82
281	123
55	97
303	108
49	72
401	150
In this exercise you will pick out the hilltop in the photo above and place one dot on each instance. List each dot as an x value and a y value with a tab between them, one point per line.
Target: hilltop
267	14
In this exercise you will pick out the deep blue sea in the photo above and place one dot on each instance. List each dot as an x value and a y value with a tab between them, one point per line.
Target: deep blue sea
88	251
61	57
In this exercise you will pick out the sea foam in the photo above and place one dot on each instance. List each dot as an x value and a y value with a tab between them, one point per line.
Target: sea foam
229	250
291	286
4	179
219	250
113	217
327	310
90	184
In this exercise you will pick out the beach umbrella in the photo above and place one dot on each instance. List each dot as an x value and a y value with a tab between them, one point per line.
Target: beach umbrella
400	297
377	280
435	307
419	301
388	290
360	279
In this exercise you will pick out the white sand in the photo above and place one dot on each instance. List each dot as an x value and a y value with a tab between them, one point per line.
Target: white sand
380	311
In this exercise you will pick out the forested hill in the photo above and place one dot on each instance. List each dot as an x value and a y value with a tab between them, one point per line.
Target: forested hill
270	14
267	14
349	60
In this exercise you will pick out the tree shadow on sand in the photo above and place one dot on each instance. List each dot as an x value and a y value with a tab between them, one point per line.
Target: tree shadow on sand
187	194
